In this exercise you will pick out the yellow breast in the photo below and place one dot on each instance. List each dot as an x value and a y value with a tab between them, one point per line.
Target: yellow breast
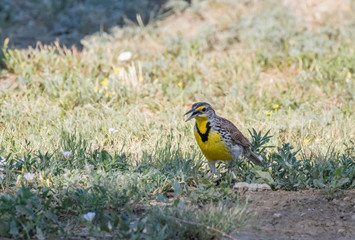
210	141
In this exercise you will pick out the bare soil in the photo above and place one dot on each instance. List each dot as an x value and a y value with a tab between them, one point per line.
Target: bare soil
306	214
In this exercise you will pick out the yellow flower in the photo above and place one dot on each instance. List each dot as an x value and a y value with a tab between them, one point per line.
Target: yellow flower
268	114
107	94
348	77
276	106
141	78
113	92
116	69
96	88
180	84
306	141
104	83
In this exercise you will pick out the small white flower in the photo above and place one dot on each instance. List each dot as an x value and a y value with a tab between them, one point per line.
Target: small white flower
112	130
29	176
89	216
2	161
66	154
2	177
109	225
125	56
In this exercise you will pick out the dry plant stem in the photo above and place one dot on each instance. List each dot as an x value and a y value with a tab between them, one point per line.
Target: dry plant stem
205	226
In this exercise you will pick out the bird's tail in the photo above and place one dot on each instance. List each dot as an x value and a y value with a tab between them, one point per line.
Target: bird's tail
256	159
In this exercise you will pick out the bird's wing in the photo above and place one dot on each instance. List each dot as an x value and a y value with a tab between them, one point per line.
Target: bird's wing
236	135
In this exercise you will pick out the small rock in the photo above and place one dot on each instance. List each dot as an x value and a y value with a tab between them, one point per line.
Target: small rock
329	224
302	214
252	186
341	230
347	199
277	215
335	201
241	185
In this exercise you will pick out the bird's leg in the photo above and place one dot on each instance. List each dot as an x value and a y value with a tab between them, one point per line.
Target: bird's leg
212	165
230	167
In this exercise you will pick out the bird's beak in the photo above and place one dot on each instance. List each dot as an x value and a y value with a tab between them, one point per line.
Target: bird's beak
192	115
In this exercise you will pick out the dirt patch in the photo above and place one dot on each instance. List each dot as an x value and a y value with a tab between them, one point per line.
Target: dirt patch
7	80
320	13
308	214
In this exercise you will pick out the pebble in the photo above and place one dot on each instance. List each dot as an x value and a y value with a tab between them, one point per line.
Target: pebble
302	214
346	199
341	230
252	186
277	215
329	224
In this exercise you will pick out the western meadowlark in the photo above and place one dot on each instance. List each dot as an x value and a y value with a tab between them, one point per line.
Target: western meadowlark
218	138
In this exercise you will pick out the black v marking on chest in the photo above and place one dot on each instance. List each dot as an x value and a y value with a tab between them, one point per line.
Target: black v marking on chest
204	136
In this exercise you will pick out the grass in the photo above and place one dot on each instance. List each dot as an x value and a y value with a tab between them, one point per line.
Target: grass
292	86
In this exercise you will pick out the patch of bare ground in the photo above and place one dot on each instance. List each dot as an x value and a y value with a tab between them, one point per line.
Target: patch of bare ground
320	13
7	80
306	214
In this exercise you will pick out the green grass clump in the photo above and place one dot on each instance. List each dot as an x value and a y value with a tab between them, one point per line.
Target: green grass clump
83	132
224	217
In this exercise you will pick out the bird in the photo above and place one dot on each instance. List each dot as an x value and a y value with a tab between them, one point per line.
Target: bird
218	138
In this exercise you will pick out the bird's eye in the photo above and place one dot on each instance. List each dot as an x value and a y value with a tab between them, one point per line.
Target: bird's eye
203	110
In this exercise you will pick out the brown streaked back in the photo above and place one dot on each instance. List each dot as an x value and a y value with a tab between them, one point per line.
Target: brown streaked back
236	135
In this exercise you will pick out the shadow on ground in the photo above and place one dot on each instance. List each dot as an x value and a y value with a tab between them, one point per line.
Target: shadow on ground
27	22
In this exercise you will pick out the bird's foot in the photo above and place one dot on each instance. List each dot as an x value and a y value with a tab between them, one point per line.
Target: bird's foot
211	175
232	174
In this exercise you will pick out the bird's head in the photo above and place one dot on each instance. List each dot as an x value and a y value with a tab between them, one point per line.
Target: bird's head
201	110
